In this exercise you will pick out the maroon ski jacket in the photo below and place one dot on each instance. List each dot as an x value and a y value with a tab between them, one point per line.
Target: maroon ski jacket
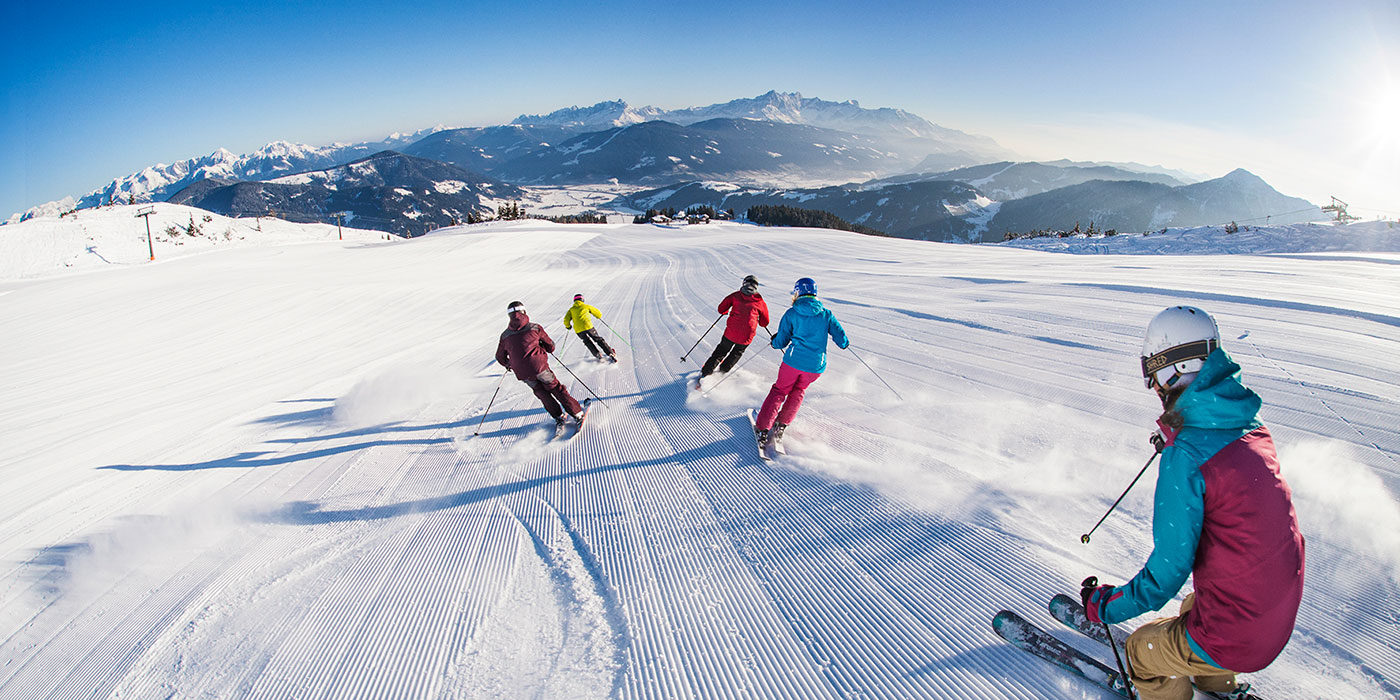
524	347
746	313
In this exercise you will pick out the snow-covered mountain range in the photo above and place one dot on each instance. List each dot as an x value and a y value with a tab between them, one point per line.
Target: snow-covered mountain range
157	182
780	107
919	179
986	202
387	191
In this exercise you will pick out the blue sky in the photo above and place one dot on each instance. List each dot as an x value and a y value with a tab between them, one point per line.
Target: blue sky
1306	97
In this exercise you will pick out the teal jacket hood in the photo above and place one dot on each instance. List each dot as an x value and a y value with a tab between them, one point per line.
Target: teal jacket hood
1217	399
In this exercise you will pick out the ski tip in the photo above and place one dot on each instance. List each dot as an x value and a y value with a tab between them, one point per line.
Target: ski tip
1008	623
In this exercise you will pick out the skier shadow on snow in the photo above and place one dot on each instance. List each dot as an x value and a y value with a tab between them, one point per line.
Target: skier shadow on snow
310	513
266	458
400	427
253	460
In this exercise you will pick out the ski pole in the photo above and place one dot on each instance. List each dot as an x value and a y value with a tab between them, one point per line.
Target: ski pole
1124	673
580	381
702	337
1085	537
488	404
872	371
619	335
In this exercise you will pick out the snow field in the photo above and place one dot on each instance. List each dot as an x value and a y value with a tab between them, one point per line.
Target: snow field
254	473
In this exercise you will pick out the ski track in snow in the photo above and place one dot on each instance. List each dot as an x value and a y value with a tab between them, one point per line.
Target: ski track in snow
275	490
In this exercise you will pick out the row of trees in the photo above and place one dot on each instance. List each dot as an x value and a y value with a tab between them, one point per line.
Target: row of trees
1091	232
1057	233
781	215
587	217
673	213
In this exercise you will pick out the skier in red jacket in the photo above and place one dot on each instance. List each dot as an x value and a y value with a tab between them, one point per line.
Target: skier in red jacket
524	349
747	311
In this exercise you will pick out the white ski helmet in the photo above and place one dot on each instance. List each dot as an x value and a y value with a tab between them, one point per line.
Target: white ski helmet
1176	345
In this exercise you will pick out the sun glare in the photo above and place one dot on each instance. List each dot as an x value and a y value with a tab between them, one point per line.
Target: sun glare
1383	114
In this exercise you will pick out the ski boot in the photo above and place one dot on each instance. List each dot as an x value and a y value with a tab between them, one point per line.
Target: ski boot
776	438
1241	692
762	436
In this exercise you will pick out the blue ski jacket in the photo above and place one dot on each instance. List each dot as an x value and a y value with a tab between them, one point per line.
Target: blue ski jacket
803	331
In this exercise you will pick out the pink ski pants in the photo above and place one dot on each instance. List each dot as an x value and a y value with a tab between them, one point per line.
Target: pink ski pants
786	394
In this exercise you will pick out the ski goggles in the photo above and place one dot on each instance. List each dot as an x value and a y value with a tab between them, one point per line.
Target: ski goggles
515	308
1197	350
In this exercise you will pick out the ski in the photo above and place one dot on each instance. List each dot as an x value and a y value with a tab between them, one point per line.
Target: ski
586	404
1071	613
1015	629
762	453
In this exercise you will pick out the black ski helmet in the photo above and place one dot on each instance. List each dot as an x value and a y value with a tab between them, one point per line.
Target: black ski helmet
750	285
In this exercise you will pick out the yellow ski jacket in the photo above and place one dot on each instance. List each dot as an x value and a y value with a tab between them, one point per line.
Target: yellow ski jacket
576	318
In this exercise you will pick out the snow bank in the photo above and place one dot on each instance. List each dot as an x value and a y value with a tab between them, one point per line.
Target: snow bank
113	236
1371	236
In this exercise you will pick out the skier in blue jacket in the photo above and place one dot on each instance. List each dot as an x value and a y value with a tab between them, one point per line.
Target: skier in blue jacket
803	332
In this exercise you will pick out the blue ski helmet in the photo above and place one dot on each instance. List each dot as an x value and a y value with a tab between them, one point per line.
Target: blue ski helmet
805	287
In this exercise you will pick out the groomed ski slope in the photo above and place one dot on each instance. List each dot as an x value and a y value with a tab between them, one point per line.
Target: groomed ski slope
255	472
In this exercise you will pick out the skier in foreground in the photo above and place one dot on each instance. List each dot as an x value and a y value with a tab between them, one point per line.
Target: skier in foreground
523	348
747	311
803	331
1222	512
577	319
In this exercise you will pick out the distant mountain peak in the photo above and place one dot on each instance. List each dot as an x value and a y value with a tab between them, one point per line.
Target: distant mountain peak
1241	175
603	115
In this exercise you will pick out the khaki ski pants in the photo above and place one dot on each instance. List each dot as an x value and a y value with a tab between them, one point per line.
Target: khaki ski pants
1163	665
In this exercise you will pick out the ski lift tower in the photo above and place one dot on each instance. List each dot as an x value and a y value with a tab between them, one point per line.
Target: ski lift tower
145	213
1338	210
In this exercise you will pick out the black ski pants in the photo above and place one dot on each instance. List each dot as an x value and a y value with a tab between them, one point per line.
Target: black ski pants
551	393
725	356
592	340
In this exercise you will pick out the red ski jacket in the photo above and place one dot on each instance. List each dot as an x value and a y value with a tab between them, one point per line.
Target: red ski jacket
746	313
524	347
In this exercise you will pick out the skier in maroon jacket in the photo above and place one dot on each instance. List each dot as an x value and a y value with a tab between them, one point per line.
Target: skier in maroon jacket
524	349
747	311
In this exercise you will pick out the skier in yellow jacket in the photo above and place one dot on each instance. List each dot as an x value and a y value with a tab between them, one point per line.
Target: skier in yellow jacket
577	319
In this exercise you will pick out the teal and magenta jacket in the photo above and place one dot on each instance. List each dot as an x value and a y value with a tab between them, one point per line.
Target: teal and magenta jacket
803	332
1223	513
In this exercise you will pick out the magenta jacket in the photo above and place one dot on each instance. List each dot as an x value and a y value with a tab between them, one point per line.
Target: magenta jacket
524	347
